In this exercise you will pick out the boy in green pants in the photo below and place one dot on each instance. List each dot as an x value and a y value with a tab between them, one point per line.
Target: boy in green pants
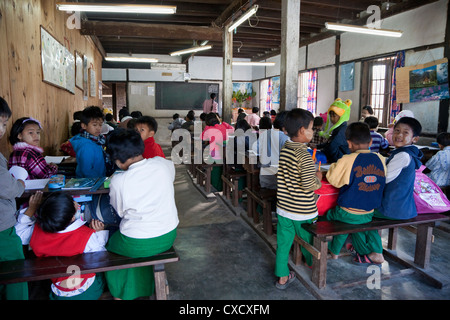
297	179
361	177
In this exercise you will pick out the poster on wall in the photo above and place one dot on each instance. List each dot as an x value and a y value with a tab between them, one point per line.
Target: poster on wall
424	82
276	93
347	77
85	78
92	83
58	64
78	70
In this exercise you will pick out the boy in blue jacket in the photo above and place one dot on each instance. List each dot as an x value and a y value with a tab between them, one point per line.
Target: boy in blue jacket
89	145
361	177
398	197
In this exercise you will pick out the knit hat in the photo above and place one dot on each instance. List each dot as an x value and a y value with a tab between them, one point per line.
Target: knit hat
404	113
342	109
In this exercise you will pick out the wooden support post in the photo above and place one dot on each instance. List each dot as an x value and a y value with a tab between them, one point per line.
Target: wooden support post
423	245
392	238
160	282
227	88
319	267
290	39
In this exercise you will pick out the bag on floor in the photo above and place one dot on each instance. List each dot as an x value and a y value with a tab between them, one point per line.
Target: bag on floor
428	197
328	196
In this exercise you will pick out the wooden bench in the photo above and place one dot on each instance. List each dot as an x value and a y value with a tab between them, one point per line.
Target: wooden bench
264	197
34	269
230	179
323	231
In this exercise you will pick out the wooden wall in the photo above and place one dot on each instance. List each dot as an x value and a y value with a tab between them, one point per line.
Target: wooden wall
21	82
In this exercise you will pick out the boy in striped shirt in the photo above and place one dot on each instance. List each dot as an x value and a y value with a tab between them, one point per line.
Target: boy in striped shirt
297	179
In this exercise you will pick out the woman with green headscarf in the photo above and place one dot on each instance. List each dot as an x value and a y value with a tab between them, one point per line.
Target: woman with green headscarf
337	116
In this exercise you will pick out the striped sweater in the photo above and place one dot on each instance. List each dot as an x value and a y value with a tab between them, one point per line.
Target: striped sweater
296	182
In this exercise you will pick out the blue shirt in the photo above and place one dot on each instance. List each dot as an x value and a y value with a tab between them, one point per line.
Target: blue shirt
378	142
439	165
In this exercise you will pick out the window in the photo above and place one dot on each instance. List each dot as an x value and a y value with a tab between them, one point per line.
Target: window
376	90
307	93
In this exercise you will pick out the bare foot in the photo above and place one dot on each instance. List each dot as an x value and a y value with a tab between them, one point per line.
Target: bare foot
376	257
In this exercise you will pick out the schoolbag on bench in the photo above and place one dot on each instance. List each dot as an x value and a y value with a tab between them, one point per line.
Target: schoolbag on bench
428	197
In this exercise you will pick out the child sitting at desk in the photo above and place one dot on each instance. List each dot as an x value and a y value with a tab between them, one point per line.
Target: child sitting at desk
439	164
297	180
398	196
10	189
378	141
147	127
89	146
25	138
51	229
143	196
361	178
336	145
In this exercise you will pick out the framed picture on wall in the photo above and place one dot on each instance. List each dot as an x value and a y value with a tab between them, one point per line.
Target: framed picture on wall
92	83
79	70
85	78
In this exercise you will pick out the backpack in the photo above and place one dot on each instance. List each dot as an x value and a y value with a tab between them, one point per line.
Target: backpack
428	197
327	197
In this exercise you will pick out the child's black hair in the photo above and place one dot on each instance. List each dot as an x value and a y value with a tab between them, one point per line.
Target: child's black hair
443	139
123	144
5	111
91	113
318	121
149	121
413	123
296	119
109	117
77	115
175	116
273	112
211	119
358	133
56	212
278	123
136	114
265	123
190	115
371	121
202	116
255	109
18	127
242	124
368	108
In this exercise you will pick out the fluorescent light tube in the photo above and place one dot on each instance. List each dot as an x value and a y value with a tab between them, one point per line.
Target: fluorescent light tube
244	17
190	50
131	59
365	30
252	63
118	8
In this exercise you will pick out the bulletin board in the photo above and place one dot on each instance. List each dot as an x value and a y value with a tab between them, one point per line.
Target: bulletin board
424	82
58	64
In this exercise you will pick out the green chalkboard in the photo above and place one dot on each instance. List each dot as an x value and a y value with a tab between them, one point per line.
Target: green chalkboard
183	95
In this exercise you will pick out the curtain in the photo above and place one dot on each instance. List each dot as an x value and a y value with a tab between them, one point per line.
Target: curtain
398	63
269	96
311	102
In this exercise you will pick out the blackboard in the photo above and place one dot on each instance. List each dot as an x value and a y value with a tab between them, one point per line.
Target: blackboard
183	95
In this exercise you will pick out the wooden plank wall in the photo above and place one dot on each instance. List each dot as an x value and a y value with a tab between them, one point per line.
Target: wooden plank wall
21	82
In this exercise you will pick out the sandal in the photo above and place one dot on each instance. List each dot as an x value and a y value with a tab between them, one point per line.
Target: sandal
290	279
364	260
350	248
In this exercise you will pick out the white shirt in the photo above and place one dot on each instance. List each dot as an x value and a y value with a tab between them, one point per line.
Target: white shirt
144	198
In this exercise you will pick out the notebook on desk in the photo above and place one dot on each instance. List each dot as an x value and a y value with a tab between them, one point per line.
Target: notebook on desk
80	183
36	184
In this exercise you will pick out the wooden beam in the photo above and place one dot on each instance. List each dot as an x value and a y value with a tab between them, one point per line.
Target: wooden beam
160	31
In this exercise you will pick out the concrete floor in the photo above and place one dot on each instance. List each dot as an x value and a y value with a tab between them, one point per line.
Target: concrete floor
224	256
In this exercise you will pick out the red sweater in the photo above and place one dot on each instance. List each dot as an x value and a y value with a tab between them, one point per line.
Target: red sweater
47	244
152	149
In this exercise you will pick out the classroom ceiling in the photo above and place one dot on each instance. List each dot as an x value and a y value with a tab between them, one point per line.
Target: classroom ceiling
199	20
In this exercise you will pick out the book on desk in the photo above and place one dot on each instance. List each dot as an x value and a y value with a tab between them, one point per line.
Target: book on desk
80	183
